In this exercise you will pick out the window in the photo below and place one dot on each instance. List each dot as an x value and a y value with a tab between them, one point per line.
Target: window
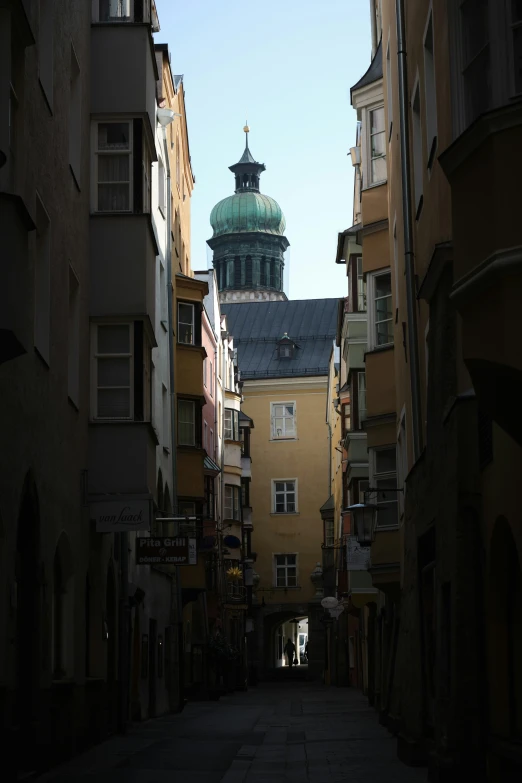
75	118
389	89
383	478
42	282
45	49
245	441
186	423
209	497
476	57
162	188
73	357
284	496
285	570
113	355
245	493
163	297
186	319
165	416
231	424
361	397
232	508
377	145
121	391
114	10
114	165
329	532
178	164
283	420
286	349
346	418
417	148
361	286
402	462
430	94
381	317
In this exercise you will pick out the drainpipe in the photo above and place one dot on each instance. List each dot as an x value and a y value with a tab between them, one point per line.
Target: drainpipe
409	259
176	615
123	632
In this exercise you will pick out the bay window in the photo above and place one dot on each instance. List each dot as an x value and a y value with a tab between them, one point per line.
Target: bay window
377	145
186	323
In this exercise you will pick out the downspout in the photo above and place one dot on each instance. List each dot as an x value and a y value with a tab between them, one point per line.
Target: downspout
176	616
409	259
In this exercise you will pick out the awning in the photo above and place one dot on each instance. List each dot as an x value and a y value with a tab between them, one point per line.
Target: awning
210	467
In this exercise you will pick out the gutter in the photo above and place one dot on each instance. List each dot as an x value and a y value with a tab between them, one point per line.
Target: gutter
409	258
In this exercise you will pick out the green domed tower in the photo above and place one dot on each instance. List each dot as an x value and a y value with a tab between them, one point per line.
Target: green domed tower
248	239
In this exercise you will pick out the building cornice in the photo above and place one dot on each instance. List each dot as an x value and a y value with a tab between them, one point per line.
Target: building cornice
316	381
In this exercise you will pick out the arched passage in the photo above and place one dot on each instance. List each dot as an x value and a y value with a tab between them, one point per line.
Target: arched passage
278	628
63	610
505	616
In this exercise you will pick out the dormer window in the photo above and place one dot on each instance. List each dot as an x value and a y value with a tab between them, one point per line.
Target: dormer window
286	347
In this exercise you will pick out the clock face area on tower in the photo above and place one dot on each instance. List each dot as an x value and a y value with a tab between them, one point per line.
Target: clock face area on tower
248	240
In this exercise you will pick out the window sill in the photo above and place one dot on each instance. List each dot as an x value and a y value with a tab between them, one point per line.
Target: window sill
380	349
278	587
285	513
282	440
375	185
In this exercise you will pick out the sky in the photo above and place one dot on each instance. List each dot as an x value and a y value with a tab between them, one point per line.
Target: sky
287	66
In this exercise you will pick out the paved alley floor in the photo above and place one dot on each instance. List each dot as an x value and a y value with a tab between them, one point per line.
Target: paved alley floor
296	732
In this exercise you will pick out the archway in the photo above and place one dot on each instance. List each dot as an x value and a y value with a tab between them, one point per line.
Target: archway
278	628
28	614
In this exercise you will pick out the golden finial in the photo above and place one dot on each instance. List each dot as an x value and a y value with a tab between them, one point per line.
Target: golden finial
246	128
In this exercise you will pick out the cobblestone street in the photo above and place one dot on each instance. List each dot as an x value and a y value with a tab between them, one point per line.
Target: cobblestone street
296	732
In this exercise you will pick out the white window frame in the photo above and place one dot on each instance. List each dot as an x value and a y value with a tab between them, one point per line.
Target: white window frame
370	292
369	134
232	425
417	153
374	477
232	502
284	567
95	356
273	417
192	324
402	462
193	422
286	492
430	89
96	155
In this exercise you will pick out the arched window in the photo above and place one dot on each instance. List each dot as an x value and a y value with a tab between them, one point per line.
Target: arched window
237	272
262	272
248	271
272	272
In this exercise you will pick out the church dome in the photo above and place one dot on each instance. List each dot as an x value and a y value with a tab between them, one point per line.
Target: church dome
247	211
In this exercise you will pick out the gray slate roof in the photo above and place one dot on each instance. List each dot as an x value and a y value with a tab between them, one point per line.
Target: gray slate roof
258	326
374	72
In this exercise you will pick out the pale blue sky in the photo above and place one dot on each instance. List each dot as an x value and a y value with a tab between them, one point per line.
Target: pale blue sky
287	66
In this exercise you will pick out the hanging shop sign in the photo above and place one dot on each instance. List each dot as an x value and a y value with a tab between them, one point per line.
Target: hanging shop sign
120	516
166	551
357	556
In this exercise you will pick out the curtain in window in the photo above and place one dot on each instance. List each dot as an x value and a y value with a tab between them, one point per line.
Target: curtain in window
113	183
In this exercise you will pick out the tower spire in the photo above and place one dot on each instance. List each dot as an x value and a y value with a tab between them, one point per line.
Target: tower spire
247	171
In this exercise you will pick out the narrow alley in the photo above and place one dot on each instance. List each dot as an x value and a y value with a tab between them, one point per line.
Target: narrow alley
277	732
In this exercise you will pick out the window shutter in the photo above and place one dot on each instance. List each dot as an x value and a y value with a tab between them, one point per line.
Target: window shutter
137	152
139	396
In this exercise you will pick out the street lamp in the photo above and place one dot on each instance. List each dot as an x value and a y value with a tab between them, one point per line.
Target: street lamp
364	522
